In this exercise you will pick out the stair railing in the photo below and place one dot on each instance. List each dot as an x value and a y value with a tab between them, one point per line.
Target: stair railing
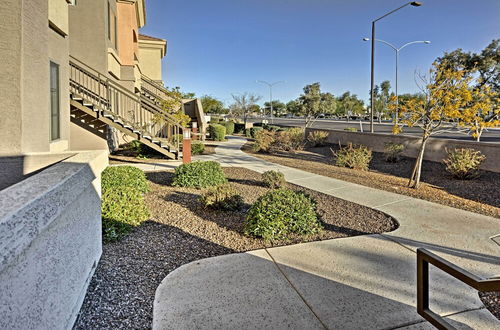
424	258
111	99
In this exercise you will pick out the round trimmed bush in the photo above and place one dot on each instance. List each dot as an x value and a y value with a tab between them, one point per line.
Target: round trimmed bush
217	132
281	212
124	176
222	197
273	179
199	175
197	147
229	125
122	209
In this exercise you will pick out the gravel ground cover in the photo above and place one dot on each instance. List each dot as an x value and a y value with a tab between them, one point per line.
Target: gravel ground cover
481	195
492	302
181	230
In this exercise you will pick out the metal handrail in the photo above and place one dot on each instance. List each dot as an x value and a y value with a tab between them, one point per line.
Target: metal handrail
424	258
109	98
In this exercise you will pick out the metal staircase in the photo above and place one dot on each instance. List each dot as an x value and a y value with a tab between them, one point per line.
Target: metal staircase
97	101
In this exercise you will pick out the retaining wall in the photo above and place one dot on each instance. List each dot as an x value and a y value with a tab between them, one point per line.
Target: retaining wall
50	243
434	151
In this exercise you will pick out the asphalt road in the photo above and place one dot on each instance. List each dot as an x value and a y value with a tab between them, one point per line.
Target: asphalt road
492	135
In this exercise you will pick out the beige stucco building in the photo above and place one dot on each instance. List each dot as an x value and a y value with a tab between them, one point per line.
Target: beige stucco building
75	84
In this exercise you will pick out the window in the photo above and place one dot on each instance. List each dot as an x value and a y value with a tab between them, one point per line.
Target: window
55	129
112	27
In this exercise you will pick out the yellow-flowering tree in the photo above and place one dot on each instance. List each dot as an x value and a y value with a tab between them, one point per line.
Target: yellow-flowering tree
482	111
445	93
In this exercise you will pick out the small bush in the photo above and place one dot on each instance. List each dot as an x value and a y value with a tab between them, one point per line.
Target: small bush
141	150
263	140
393	151
355	157
239	128
229	125
281	212
222	197
351	129
173	139
317	138
289	140
464	163
217	132
199	175
254	131
122	208
117	177
197	147
273	179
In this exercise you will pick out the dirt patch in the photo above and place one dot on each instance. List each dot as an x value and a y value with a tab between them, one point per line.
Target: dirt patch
121	293
481	195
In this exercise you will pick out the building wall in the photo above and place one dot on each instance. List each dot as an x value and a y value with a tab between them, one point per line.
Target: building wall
88	22
50	243
150	57
435	150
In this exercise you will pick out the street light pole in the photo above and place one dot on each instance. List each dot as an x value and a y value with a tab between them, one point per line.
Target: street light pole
397	50
372	85
270	94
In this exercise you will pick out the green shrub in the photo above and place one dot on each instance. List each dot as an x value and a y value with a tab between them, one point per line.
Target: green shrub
124	176
263	140
254	131
239	128
141	150
393	151
217	132
356	157
289	140
229	125
248	132
222	197
197	147
122	209
271	127
351	129
317	138
173	139
199	175
281	212
464	163
273	179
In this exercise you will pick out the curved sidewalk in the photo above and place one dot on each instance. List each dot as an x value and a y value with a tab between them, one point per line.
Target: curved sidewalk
363	282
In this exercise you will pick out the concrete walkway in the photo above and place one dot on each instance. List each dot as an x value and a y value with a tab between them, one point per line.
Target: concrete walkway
363	282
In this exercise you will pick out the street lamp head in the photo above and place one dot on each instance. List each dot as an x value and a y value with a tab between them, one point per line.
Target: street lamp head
416	4
366	39
427	42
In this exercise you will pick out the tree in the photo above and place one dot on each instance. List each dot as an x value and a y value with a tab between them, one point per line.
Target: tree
212	105
486	63
446	92
279	108
482	111
328	103
348	105
243	104
310	102
293	107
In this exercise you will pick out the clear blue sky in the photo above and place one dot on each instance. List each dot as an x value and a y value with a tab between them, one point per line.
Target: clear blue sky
220	47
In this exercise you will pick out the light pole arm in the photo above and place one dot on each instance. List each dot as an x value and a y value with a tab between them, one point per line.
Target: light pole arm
414	42
378	19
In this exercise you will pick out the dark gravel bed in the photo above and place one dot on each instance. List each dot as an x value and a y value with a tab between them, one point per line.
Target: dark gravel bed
492	302
480	195
121	293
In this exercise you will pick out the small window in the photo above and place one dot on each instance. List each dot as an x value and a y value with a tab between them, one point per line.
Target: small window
55	115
